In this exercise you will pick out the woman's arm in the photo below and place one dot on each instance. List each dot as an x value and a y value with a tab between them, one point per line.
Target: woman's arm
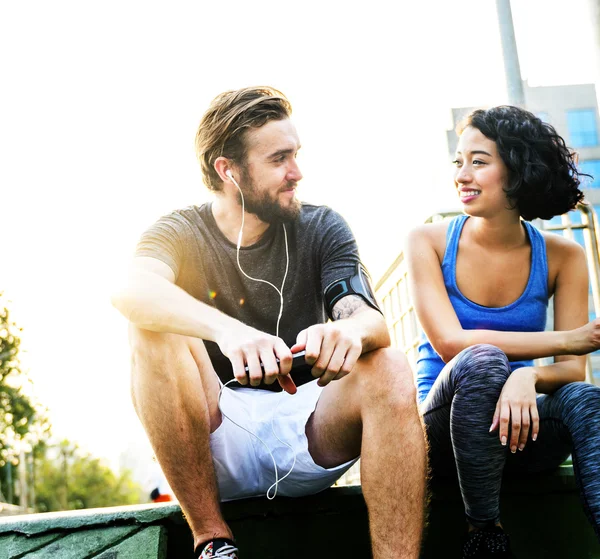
570	313
517	406
443	329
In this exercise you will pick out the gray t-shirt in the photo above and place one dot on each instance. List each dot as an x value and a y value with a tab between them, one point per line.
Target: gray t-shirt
322	250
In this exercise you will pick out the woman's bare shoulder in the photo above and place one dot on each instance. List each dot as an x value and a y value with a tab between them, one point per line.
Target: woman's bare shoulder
560	248
563	255
432	232
428	235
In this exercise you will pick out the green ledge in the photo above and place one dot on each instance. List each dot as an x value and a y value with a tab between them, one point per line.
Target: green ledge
32	524
543	514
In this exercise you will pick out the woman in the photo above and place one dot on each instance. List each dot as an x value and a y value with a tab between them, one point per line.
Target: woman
481	285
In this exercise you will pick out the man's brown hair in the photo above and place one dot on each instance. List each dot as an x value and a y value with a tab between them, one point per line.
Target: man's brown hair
224	125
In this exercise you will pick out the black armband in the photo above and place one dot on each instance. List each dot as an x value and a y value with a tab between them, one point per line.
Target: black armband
357	284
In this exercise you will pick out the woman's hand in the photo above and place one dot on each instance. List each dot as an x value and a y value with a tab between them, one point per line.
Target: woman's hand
517	409
585	339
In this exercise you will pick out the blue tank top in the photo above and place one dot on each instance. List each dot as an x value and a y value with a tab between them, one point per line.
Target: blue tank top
526	314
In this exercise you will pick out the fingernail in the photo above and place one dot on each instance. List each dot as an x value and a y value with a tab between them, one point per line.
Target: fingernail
521	446
503	441
513	449
534	437
491	427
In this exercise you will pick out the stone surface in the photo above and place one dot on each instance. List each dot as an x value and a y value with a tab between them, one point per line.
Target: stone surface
149	543
31	524
12	547
82	544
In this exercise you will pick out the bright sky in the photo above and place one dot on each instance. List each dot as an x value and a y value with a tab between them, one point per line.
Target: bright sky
100	104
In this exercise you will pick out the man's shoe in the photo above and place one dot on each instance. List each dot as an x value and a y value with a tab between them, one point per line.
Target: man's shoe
487	543
219	548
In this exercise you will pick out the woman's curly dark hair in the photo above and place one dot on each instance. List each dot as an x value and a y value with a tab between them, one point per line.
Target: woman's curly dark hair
543	180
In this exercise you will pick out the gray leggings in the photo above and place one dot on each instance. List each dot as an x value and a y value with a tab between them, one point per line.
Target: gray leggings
458	412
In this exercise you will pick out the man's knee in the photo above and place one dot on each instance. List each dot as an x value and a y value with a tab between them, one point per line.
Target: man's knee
152	352
386	376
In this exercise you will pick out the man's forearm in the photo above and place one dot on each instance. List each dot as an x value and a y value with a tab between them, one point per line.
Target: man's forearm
371	327
368	322
153	303
376	334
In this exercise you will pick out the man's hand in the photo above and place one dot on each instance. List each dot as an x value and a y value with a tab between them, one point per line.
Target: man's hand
246	346
517	409
332	349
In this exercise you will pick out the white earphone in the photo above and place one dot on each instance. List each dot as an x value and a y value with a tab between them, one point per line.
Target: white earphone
272	491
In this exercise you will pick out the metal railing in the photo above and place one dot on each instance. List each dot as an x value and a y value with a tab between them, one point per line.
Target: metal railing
591	237
392	289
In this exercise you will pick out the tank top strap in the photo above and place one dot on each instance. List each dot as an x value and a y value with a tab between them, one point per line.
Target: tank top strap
539	260
452	237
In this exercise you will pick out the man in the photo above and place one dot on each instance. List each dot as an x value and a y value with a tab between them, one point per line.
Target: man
229	290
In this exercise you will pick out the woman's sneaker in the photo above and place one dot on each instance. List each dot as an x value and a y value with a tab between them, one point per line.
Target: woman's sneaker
219	548
487	543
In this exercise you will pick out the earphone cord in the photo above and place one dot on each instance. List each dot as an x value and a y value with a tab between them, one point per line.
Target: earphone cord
275	485
278	480
287	260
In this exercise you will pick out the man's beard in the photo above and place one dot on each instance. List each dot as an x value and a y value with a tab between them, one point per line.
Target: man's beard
265	207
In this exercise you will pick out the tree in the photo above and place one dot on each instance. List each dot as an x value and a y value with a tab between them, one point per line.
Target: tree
67	478
61	476
23	422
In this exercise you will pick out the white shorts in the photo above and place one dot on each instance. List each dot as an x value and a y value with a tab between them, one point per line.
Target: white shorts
243	465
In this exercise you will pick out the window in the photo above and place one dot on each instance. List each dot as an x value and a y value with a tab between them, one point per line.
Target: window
583	130
590	167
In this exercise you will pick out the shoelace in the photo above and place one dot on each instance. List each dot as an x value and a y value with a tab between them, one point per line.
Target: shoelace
227	552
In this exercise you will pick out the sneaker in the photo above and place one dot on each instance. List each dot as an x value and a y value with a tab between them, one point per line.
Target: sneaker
487	543
218	548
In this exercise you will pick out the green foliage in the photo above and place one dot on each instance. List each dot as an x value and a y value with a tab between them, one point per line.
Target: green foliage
23	423
67	478
63	477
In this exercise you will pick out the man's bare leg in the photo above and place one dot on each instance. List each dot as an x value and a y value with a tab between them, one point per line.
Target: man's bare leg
373	412
175	393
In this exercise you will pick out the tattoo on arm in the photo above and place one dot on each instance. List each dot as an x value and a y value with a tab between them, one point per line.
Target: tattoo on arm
347	306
